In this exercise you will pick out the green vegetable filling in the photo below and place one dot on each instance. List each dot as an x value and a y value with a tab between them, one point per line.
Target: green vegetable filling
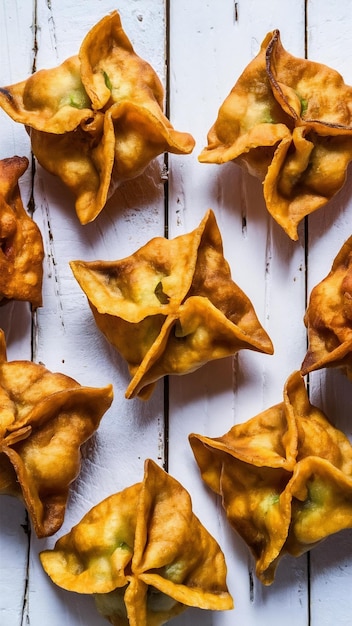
304	106
77	99
107	80
160	294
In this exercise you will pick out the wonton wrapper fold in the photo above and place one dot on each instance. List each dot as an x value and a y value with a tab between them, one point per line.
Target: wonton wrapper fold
284	476
143	554
21	244
44	420
329	317
171	306
97	119
288	121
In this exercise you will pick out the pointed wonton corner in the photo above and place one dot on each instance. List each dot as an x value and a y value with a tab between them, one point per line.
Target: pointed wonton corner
287	121
328	318
97	119
143	554
45	418
21	244
171	306
284	477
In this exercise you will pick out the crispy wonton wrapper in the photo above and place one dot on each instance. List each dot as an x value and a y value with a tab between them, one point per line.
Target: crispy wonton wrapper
97	119
171	306
21	244
143	554
329	318
45	418
285	478
288	122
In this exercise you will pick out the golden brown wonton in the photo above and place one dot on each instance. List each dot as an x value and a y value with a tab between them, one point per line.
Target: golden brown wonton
288	122
171	306
329	317
285	478
143	554
97	119
21	245
44	419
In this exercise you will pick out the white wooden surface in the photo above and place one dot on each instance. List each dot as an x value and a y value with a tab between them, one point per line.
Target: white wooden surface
206	46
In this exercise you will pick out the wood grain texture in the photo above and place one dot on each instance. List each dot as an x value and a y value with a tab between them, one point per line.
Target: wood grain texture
331	563
198	49
264	264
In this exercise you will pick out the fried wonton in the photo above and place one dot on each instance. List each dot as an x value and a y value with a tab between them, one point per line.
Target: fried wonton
329	317
143	554
21	244
171	306
288	122
45	418
284	476
97	119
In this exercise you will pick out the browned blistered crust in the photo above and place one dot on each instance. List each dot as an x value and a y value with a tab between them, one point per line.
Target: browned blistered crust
97	119
143	554
45	418
288	122
328	317
171	306
284	477
21	244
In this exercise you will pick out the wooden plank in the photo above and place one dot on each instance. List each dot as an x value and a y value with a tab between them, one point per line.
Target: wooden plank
218	40
15	317
329	42
15	27
65	336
